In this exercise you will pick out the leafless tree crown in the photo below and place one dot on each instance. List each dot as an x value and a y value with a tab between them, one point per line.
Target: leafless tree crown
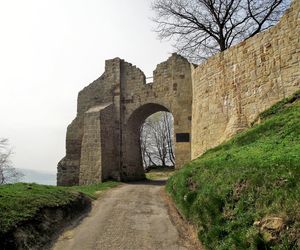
8	174
200	28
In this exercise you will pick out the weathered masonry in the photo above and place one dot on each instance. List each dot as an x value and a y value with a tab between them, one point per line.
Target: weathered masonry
210	103
103	140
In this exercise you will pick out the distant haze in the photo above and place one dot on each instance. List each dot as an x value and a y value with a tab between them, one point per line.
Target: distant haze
39	177
50	50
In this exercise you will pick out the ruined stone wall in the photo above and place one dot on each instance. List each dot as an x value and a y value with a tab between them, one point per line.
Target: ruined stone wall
103	140
174	76
98	161
233	87
109	144
98	92
171	90
91	150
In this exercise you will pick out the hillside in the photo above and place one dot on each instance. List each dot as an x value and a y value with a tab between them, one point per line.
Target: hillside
31	214
245	193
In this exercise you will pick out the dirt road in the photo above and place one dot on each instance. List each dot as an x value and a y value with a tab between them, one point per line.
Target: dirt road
130	217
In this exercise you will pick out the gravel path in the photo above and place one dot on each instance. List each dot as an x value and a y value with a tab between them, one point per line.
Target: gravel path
133	216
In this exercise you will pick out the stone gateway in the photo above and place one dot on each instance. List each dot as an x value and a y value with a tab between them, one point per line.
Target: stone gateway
103	140
210	103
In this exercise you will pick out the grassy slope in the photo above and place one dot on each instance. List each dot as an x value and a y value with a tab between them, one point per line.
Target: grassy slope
20	202
254	175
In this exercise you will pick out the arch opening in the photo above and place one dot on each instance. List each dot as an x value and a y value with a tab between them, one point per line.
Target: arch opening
157	141
135	162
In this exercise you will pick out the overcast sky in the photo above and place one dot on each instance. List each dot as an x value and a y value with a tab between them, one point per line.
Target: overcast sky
49	51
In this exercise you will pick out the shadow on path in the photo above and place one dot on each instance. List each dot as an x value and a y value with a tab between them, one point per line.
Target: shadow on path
148	182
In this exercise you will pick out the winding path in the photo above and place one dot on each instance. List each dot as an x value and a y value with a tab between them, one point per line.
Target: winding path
132	217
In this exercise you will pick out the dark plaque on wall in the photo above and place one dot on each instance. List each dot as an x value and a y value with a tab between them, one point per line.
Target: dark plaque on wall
183	137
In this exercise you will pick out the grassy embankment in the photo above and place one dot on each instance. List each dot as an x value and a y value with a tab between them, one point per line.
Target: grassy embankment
245	193
22	201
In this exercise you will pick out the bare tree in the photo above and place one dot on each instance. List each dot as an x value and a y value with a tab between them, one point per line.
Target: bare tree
8	174
169	130
157	140
200	28
147	146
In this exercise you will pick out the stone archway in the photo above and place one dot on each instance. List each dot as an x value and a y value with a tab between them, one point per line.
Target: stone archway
132	166
103	140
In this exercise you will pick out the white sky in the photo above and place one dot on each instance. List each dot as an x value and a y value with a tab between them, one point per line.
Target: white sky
49	51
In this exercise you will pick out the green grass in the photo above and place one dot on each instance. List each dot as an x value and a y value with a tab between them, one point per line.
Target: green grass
253	176
159	173
21	201
93	190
